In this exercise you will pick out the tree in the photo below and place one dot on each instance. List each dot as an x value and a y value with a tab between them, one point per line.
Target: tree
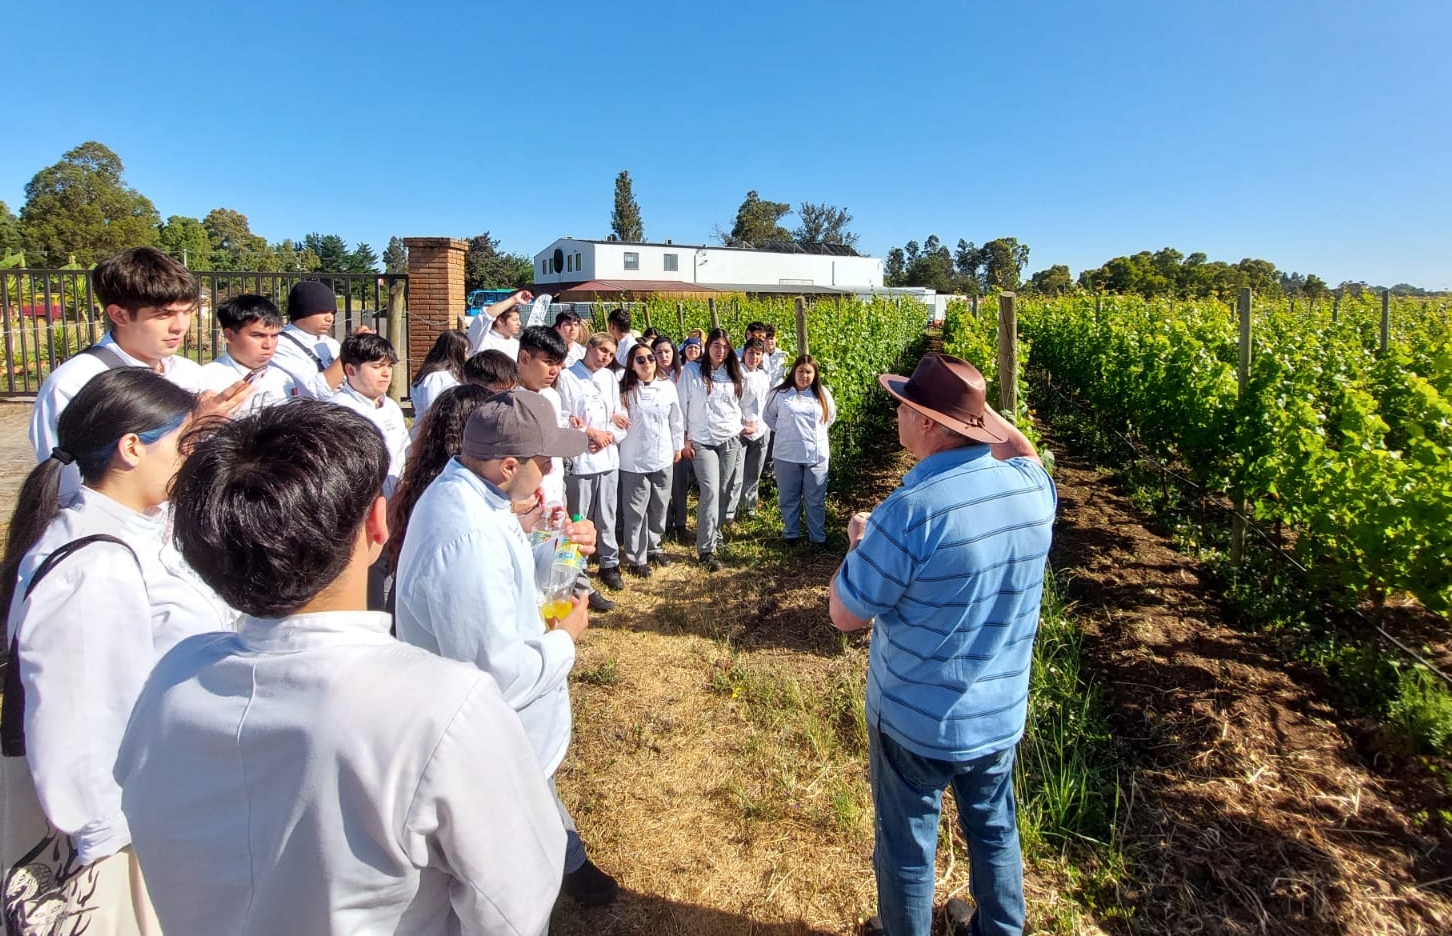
362	260
234	246
186	240
625	221
288	257
395	257
758	223
332	252
81	209
967	261
896	267
824	224
1003	261
1055	281
486	268
10	240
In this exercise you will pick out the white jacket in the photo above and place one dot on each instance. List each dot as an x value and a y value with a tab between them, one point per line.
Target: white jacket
594	398
301	363
388	417
714	417
657	427
796	418
271	387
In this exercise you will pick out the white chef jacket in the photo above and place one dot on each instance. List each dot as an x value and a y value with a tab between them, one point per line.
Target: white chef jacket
270	387
89	635
479	326
657	427
593	396
67	380
301	363
314	775
796	418
427	390
623	348
467	590
386	415
710	418
775	364
756	385
495	341
576	352
554	482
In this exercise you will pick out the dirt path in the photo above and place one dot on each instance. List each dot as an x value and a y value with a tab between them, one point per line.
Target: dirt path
16	455
1249	810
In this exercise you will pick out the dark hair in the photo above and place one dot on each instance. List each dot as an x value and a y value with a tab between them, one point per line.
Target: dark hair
754	344
789	382
450	350
439	438
755	327
631	380
491	367
544	341
512	310
649	335
620	318
770	330
247	308
143	277
674	370
366	348
566	315
732	365
267	507
111	405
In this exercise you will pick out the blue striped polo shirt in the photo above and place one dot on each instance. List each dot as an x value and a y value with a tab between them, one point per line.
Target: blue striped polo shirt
952	568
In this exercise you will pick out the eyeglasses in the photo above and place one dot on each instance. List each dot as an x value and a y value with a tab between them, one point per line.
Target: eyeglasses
643	360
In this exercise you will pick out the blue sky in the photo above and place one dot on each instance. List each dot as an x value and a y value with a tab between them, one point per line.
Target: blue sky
1312	134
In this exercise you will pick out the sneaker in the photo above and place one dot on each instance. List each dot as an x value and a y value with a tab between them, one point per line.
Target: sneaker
659	559
710	562
600	603
640	570
960	917
590	886
610	578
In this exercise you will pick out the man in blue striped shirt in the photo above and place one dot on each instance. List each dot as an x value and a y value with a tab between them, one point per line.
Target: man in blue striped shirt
950	568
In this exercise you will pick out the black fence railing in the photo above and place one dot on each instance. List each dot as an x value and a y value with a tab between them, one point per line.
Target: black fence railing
49	315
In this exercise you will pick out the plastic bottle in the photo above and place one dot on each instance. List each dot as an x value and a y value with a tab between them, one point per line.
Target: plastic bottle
559	591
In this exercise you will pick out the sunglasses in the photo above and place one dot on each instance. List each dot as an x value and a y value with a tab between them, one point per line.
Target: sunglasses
643	360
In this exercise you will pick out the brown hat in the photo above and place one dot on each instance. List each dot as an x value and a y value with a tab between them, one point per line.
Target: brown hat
519	424
948	390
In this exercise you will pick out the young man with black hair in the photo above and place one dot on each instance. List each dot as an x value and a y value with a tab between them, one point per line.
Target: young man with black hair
368	361
503	334
467	583
590	397
480	324
310	774
618	324
250	324
493	370
306	348
567	325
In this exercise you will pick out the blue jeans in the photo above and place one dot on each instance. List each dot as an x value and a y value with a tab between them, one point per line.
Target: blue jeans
796	483
907	799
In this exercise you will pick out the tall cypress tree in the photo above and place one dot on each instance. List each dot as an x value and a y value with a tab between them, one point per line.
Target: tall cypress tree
625	219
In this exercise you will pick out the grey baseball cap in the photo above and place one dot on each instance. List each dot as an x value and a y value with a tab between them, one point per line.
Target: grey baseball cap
521	424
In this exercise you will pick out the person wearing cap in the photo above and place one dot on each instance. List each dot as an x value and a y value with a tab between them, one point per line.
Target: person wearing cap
306	348
949	571
467	588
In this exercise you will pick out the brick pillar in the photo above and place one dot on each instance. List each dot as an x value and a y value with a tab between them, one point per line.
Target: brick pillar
435	292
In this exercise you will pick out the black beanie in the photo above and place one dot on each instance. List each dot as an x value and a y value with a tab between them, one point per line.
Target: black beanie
310	297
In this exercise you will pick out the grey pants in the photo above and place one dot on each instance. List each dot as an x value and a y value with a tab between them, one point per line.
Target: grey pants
643	499
683	475
593	497
716	470
748	480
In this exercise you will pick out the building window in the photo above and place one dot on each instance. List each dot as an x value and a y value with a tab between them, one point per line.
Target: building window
632	260
569	263
578	266
672	263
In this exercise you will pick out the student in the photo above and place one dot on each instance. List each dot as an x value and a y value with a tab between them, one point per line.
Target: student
96	594
667	362
442	368
467	585
754	443
775	360
691	348
148	299
799	411
755	331
306	348
590	394
567	324
309	774
250	324
493	369
647	455
480	324
368	361
503	334
617	323
711	392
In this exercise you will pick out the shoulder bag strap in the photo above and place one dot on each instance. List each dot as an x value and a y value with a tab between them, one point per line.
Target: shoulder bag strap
305	349
12	710
110	358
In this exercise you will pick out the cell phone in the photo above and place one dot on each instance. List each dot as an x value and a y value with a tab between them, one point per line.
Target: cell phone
254	374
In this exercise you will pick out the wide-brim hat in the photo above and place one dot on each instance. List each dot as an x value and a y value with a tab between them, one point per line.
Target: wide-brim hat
519	424
947	390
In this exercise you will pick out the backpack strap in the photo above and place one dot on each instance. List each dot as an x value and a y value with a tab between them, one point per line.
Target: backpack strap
110	358
305	349
12	710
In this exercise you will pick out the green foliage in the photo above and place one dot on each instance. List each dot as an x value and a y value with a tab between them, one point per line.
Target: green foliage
186	239
1169	273
234	246
10	239
758	223
80	210
395	257
625	221
824	224
970	270
486	268
1055	281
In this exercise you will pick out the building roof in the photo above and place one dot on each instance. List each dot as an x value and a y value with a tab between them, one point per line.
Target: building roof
789	247
590	289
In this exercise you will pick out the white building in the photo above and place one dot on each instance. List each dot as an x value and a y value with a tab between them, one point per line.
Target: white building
589	266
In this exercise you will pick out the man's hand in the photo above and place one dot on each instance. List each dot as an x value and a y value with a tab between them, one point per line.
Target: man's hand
578	619
223	405
523	296
856	528
582	533
599	439
621	421
364	330
748	427
689	451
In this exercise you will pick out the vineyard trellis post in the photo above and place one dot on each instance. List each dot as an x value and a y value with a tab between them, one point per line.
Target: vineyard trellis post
398	336
647	315
1007	354
1336	308
681	317
715	316
801	305
1237	520
1385	319
975	307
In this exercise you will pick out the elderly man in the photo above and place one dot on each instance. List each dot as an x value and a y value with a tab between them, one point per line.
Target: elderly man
950	567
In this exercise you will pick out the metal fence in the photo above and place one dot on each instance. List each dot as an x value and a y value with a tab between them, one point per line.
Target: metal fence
50	315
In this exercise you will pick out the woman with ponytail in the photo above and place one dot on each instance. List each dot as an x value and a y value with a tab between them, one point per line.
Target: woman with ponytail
96	594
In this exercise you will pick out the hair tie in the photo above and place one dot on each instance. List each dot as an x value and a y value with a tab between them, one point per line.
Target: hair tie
62	456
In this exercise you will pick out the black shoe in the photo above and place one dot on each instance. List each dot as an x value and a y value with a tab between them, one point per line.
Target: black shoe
660	559
640	570
710	562
610	578
872	926
790	543
960	917
600	603
590	886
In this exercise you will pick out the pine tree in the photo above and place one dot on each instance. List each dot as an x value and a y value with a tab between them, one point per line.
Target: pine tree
625	219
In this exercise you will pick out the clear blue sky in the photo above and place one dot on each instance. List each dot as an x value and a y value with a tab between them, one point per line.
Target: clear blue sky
1312	133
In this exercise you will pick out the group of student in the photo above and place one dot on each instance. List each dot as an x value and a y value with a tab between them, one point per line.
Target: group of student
660	418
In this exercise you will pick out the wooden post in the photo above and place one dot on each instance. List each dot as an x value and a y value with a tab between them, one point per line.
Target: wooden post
975	306
801	305
1385	319
647	314
681	317
398	386
715	316
1007	355
1336	308
1237	524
